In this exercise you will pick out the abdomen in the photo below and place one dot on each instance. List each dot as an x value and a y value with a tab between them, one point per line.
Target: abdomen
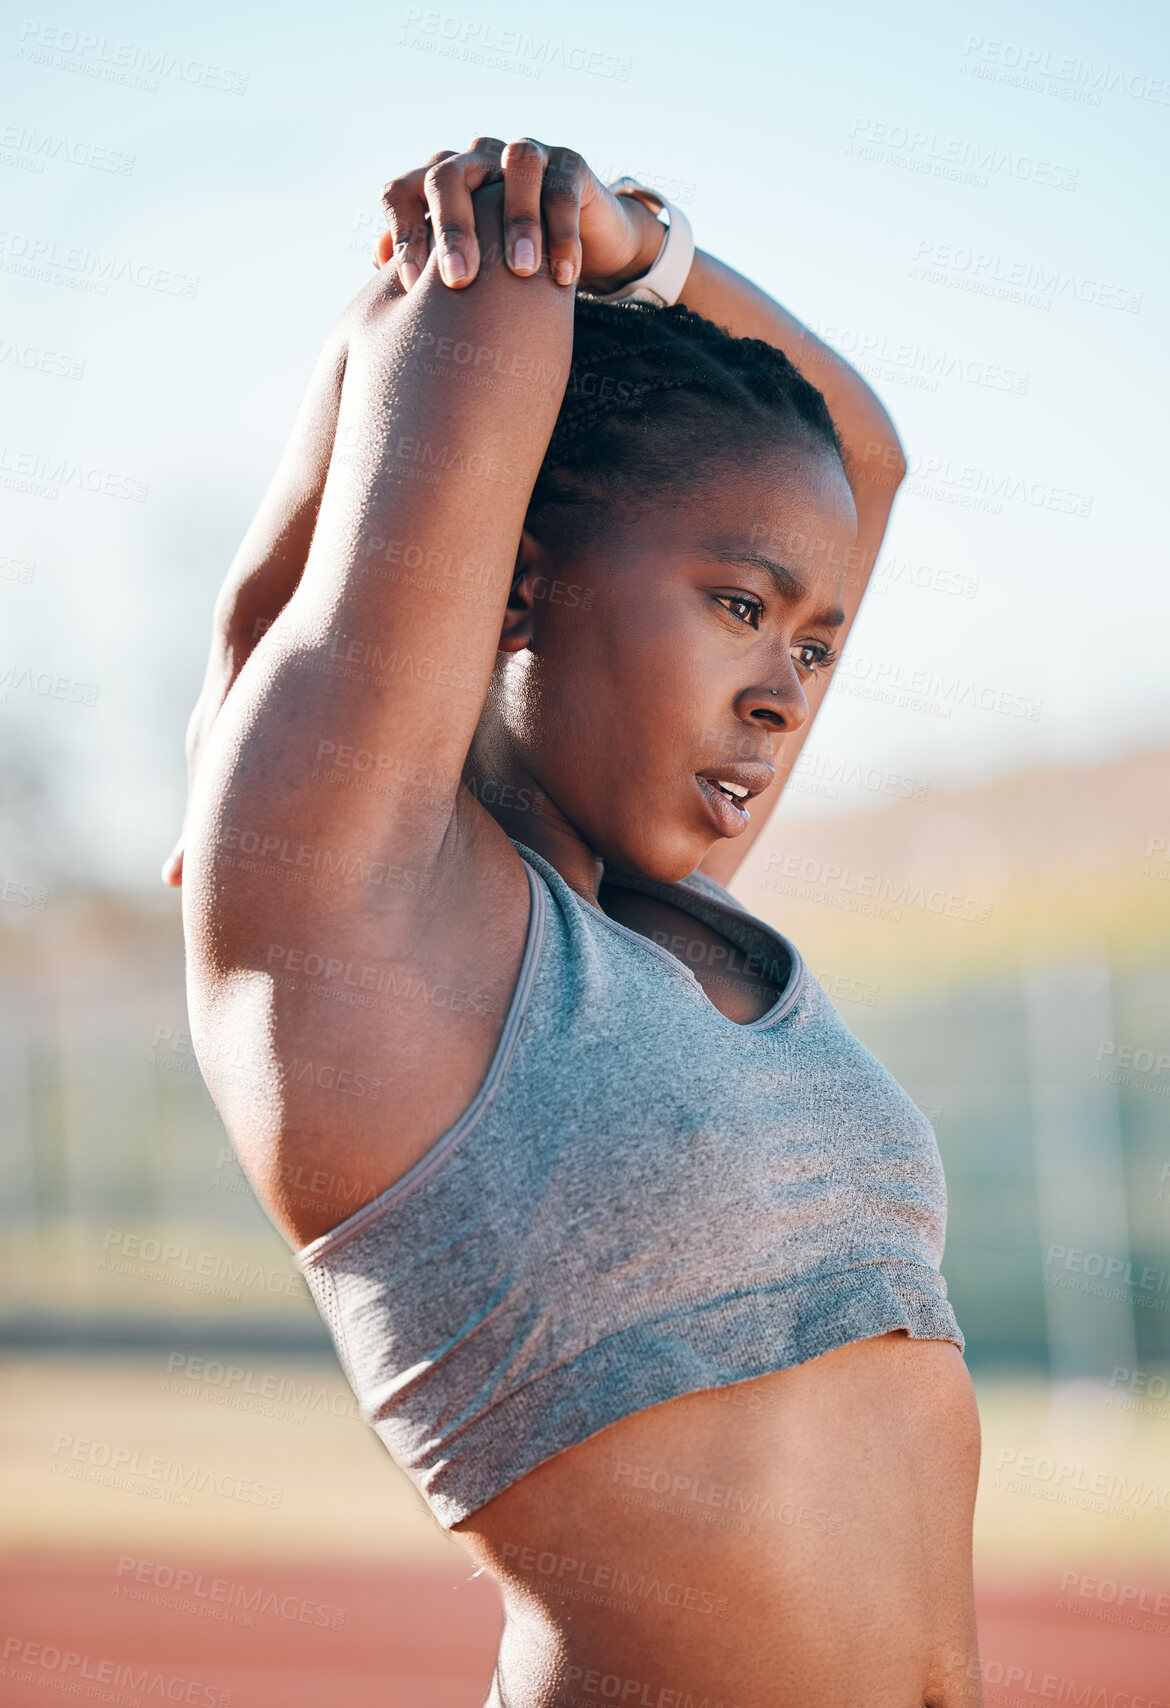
802	1538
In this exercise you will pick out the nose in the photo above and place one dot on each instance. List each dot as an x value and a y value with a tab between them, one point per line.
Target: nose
780	704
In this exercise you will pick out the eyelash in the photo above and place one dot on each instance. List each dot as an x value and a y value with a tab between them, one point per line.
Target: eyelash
825	655
742	599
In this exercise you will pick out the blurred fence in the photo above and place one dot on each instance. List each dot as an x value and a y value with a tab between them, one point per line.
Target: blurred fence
1055	1154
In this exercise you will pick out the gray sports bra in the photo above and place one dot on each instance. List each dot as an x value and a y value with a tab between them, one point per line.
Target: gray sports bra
643	1199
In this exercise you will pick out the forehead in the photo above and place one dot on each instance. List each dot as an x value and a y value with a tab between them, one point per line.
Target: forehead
794	510
797	507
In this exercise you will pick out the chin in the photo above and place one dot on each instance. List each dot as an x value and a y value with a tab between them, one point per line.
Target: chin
663	855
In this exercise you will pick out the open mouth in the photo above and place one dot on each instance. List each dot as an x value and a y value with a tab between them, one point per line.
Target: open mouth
734	791
727	788
726	802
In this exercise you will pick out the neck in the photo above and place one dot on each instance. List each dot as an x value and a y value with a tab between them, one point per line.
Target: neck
560	845
506	790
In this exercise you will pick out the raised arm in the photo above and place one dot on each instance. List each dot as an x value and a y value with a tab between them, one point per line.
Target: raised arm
387	645
269	564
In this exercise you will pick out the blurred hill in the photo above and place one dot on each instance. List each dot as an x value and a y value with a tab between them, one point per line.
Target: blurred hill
977	881
971	879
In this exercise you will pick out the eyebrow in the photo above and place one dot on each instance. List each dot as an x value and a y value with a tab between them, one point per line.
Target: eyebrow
788	585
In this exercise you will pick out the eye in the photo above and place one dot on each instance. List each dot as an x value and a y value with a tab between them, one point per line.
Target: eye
821	656
741	600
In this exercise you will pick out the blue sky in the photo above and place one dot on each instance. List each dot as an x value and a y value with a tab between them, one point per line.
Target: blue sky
962	198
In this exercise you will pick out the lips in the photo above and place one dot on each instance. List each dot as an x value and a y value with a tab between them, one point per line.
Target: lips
727	789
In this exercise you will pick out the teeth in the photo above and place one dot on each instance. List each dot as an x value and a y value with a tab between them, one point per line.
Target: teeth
736	789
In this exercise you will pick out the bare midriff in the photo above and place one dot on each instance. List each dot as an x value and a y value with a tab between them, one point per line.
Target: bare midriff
801	1540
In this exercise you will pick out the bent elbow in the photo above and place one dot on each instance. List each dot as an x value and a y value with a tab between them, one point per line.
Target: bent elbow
882	463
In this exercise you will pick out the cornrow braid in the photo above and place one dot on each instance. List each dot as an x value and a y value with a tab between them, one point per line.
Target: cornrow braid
587	412
656	397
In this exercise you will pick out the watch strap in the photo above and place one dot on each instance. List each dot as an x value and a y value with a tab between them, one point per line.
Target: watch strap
663	284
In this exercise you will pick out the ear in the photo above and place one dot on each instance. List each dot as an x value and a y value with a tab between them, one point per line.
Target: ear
529	580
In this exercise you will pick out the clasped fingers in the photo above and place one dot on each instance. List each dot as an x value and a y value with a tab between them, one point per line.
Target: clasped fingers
542	194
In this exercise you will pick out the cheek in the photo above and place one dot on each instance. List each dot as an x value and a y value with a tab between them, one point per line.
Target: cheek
584	655
621	665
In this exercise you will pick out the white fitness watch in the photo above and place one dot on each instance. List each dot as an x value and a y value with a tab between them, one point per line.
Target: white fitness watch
663	284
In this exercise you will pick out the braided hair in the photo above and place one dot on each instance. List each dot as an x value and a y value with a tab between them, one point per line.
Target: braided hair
657	397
